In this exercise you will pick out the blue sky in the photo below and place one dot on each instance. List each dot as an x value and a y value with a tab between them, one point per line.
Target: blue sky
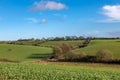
50	18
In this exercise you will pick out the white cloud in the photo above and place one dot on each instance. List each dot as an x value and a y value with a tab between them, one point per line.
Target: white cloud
48	5
112	13
34	20
43	21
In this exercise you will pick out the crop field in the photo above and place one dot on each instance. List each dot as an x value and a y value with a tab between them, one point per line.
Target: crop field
14	71
96	45
23	53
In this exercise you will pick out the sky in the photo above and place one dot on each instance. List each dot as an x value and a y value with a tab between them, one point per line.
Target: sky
21	19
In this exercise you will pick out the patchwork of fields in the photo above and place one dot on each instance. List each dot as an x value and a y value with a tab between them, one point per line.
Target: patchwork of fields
56	70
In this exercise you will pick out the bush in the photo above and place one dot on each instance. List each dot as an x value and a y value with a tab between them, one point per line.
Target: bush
104	55
79	56
70	56
61	51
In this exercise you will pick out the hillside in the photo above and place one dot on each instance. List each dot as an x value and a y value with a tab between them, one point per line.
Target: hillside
23	53
96	45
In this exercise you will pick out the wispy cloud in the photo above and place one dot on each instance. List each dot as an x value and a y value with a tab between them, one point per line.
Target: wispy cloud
112	12
43	21
33	20
48	5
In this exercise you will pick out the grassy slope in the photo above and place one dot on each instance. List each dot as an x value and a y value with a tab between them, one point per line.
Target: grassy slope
53	43
96	45
10	71
21	53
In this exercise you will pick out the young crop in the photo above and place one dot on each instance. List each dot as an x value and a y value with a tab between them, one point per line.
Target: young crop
10	71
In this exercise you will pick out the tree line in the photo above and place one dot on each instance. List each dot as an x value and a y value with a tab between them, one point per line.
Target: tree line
68	38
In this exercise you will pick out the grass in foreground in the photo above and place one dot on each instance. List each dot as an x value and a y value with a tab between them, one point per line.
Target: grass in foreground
12	71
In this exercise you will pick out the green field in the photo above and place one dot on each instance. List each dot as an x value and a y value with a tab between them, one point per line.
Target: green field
12	71
23	53
96	45
33	68
53	43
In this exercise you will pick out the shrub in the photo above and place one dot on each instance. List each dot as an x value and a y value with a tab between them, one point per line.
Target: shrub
77	56
65	47
70	55
57	51
61	51
104	55
81	55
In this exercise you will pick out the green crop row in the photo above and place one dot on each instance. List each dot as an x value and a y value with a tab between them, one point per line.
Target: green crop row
15	71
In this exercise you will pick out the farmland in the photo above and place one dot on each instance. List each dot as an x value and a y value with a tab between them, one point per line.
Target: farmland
29	52
96	45
33	67
23	53
12	71
53	43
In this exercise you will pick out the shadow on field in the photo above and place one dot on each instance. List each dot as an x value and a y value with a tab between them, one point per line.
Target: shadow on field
39	56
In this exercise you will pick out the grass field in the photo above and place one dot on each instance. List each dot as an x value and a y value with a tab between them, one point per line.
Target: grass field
23	53
96	45
53	43
12	71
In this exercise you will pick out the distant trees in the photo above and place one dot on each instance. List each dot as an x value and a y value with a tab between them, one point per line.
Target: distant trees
74	38
55	38
64	38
